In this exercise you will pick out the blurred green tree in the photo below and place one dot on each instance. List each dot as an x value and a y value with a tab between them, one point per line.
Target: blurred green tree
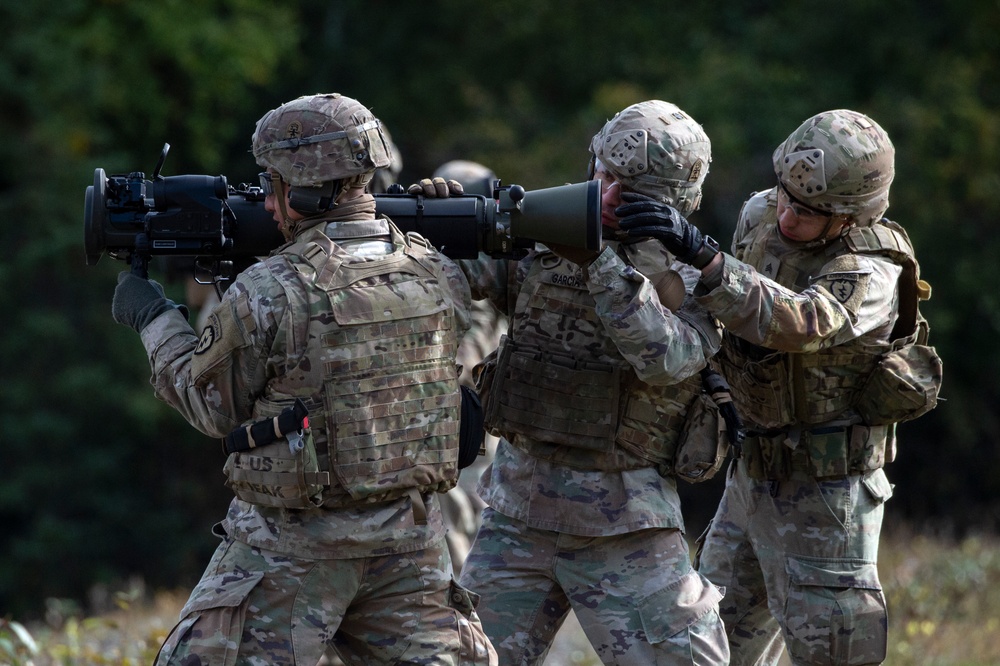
98	480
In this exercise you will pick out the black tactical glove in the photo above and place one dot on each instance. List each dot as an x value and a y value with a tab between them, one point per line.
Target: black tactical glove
717	387
137	302
642	216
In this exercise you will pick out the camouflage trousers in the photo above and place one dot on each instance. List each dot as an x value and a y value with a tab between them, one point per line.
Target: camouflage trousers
636	595
260	608
798	561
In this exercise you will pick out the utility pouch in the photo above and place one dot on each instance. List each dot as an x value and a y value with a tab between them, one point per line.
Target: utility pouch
278	475
484	374
553	398
905	383
704	444
903	386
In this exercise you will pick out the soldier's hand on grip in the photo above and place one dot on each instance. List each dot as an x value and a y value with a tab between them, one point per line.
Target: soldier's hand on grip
716	386
137	302
643	217
436	188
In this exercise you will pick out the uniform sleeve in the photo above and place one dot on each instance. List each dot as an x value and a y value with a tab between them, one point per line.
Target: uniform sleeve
488	280
213	380
662	346
751	212
851	296
458	285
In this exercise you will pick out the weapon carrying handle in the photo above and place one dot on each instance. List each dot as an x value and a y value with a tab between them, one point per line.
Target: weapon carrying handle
140	256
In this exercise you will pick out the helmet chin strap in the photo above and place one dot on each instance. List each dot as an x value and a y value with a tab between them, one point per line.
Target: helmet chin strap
287	225
312	199
821	239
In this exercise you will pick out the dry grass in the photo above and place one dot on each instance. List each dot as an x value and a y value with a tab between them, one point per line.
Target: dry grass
944	607
944	611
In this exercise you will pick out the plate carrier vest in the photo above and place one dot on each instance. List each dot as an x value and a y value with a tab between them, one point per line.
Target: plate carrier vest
802	408
381	343
561	391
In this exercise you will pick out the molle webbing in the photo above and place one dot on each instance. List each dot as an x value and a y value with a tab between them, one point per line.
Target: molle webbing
880	239
561	390
572	412
555	398
653	419
781	389
284	483
892	242
759	380
274	475
821	392
803	399
380	340
392	399
430	335
823	451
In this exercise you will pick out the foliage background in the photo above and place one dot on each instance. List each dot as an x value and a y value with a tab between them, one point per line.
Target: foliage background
100	482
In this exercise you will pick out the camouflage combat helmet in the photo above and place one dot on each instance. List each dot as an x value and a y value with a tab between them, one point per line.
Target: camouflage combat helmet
656	149
388	175
320	138
474	177
839	162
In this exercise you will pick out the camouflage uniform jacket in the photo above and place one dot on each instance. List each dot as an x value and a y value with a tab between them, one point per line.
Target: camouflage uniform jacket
804	325
660	348
219	398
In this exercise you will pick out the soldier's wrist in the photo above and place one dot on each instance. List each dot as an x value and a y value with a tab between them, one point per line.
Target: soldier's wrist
706	253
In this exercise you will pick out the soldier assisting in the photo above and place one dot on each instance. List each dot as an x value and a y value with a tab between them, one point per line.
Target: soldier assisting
335	539
589	391
820	292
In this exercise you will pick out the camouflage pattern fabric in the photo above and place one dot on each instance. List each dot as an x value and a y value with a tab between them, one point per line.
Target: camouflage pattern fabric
621	525
704	446
839	161
654	148
552	496
217	396
662	347
780	297
219	389
821	316
636	596
255	606
798	559
318	138
797	549
461	505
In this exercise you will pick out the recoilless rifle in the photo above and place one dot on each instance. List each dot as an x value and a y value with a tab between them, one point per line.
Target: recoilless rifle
225	228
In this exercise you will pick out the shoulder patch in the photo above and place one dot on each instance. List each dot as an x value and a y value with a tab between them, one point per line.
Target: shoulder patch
208	337
842	288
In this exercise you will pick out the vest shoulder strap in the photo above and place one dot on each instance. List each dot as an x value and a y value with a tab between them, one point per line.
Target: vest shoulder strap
889	239
320	252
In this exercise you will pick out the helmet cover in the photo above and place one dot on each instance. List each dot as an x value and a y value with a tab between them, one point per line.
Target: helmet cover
320	138
840	162
655	148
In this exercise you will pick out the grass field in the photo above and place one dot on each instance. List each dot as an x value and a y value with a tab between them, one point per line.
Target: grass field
944	610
